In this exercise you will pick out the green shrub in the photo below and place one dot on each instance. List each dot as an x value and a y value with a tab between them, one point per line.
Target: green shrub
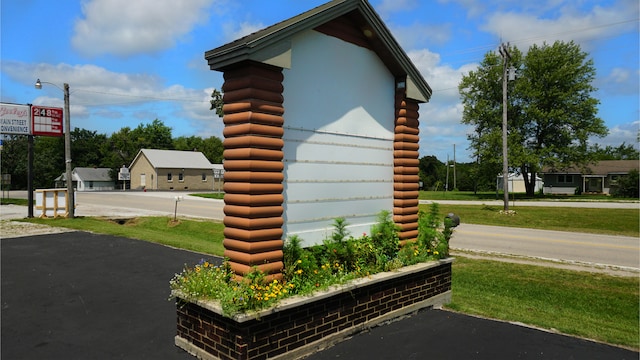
340	258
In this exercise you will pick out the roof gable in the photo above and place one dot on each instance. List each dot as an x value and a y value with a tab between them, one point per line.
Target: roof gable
92	174
602	167
272	45
174	159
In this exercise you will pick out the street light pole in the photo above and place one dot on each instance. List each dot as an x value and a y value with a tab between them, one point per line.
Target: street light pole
67	146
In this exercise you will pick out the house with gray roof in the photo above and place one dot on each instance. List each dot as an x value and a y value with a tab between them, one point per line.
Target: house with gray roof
600	177
89	179
154	169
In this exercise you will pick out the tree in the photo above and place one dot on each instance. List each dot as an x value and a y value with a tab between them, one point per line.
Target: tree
551	111
123	145
88	148
48	160
623	152
217	102
211	147
431	172
14	160
629	185
153	136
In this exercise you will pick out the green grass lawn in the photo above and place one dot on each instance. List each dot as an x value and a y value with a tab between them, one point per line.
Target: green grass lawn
201	236
598	221
492	195
595	306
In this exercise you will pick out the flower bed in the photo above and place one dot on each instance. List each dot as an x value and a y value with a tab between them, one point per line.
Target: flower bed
301	325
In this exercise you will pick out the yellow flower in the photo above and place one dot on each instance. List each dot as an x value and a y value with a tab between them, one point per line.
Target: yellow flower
299	261
435	253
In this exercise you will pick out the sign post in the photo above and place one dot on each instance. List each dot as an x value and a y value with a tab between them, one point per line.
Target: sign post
124	175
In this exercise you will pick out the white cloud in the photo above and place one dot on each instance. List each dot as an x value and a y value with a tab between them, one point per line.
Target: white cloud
233	30
620	81
387	7
418	34
566	23
126	27
440	119
96	91
627	133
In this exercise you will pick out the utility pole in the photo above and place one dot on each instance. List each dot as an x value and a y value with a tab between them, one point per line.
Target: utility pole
504	52
455	185
67	153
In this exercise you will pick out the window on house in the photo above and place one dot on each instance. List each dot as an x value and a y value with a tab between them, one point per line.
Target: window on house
565	179
614	179
169	177
204	176
180	177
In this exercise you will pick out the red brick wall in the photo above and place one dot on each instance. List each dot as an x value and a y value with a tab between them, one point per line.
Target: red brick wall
301	329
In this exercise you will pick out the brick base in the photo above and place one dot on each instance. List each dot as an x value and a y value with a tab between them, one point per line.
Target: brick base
302	325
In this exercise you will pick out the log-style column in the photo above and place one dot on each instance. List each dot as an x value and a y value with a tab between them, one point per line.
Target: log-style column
253	168
405	167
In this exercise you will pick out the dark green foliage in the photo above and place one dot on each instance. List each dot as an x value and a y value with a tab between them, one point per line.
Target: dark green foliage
342	257
384	235
623	152
628	185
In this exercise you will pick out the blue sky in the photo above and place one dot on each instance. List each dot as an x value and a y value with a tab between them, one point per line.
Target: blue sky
131	61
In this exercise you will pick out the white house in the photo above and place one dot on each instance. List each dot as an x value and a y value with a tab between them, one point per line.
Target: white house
89	179
516	183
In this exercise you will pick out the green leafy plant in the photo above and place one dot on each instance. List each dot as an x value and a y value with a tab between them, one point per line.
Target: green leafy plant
340	258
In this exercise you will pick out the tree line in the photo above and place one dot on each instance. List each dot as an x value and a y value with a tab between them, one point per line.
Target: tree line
91	149
479	177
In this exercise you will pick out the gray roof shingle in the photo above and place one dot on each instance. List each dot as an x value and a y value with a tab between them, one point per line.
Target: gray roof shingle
175	159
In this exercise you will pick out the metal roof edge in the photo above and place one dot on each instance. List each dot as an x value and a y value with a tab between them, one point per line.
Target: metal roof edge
243	48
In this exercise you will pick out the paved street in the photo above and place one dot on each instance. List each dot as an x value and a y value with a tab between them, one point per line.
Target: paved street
616	252
621	252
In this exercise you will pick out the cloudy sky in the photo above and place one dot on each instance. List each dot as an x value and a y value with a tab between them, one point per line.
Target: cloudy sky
130	62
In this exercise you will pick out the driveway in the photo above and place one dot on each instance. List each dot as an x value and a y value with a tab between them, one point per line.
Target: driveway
78	295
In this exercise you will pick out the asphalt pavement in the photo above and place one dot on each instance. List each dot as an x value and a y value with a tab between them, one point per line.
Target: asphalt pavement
78	295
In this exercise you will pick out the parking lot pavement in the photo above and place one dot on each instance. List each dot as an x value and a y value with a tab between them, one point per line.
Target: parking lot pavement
79	295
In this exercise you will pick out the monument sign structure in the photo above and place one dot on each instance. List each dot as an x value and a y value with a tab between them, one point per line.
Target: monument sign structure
321	121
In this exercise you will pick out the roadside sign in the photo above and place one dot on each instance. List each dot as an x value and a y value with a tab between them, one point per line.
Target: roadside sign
46	121
14	119
124	174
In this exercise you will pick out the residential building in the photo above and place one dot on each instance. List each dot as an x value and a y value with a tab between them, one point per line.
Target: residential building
154	169
597	178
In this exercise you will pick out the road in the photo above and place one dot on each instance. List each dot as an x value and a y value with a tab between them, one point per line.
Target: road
159	202
604	250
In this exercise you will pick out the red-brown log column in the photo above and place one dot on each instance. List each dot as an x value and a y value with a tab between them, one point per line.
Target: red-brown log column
405	167
253	169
